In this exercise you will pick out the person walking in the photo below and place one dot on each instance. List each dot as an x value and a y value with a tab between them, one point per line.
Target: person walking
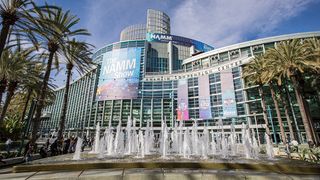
8	144
28	155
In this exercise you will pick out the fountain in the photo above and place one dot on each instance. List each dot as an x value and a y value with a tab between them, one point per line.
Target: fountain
95	148
177	141
269	147
213	147
77	152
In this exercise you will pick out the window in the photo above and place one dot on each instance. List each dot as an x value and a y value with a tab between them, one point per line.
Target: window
215	88
239	96
217	111
216	100
213	78
237	84
236	72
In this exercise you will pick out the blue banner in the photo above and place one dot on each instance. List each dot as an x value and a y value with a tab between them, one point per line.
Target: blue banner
119	74
156	37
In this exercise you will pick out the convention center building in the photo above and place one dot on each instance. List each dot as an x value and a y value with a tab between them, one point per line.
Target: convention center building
152	76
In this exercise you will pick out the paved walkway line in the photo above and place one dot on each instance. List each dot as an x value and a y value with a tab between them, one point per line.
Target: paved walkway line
32	175
80	173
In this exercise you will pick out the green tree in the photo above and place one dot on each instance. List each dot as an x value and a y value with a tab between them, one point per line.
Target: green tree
292	60
4	72
271	77
51	29
12	126
313	47
19	67
14	16
78	55
252	74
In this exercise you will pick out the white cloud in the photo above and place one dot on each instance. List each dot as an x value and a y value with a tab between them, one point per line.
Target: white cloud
106	18
223	22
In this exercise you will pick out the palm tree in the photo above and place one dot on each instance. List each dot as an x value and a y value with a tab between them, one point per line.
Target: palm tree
13	14
252	74
19	69
51	30
29	88
286	111
313	46
270	77
4	72
77	55
291	59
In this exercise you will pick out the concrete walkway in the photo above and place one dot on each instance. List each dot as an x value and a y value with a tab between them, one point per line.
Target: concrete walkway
17	160
150	174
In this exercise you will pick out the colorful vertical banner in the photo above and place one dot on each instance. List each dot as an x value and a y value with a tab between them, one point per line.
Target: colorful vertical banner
204	98
182	109
228	96
119	74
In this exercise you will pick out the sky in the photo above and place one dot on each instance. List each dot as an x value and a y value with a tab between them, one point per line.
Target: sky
215	22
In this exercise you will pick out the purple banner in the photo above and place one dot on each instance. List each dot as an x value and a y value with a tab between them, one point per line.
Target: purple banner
204	98
228	96
182	110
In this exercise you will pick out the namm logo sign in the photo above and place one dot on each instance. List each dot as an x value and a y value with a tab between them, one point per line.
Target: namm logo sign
151	37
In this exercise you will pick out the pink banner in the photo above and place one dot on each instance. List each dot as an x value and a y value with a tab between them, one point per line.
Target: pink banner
182	109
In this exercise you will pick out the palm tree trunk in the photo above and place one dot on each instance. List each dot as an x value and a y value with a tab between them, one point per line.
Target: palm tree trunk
286	111
11	88
26	105
276	105
264	109
318	96
311	122
41	99
65	102
3	85
4	35
303	110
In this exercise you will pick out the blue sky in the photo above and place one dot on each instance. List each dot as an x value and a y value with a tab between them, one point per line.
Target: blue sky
216	22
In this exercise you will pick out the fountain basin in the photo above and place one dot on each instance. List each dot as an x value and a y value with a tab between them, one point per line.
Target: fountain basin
275	168
89	162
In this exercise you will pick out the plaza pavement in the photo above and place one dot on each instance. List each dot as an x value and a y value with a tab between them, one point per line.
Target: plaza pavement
149	174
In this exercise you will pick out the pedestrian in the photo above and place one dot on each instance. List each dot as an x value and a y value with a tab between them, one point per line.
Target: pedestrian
43	151
28	155
66	146
8	144
47	143
54	148
295	145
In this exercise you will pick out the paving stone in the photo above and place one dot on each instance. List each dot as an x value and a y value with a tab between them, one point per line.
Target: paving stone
97	174
16	176
143	174
304	177
268	177
182	174
57	175
225	175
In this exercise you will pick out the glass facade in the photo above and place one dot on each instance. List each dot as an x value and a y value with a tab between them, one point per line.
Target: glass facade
157	58
133	32
162	65
158	22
